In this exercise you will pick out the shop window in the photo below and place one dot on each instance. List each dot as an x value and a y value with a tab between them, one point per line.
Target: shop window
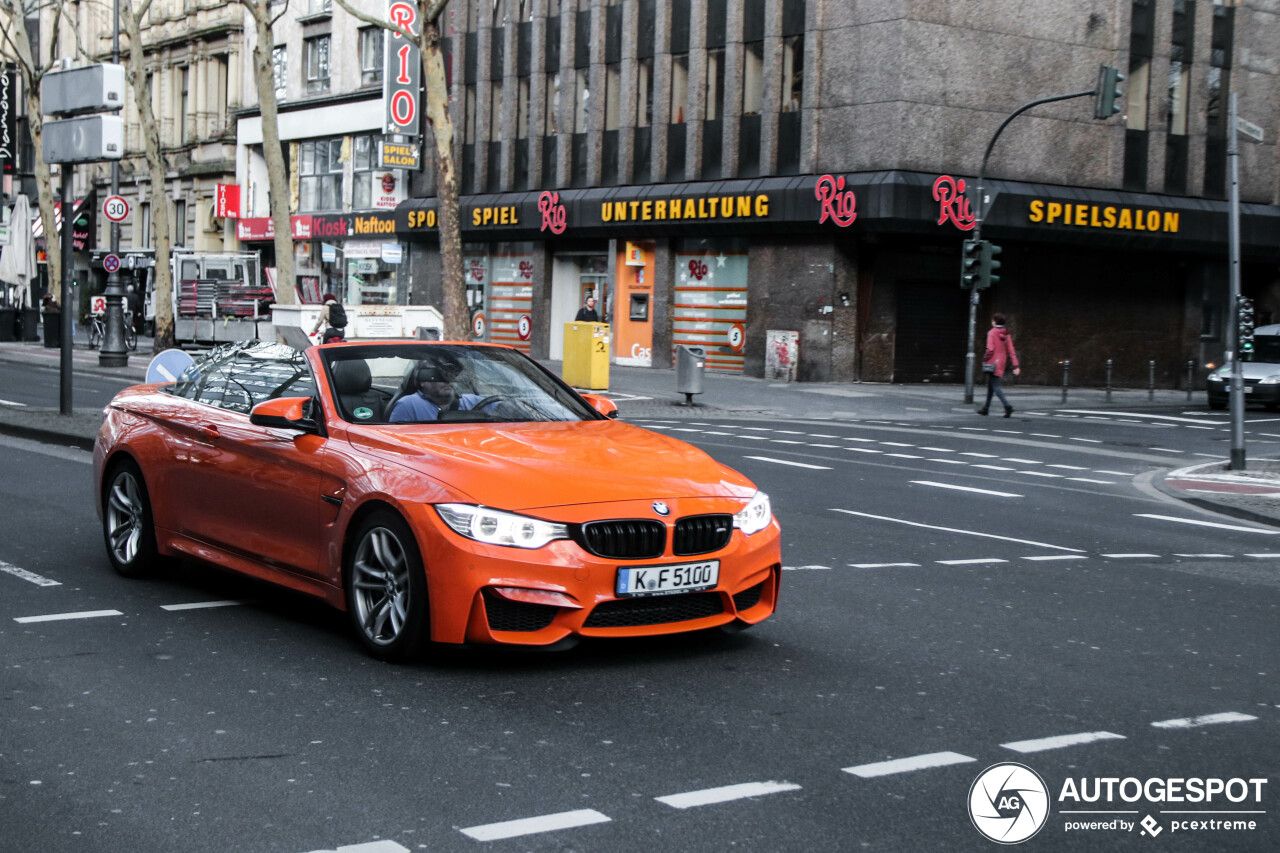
316	52
320	175
371	47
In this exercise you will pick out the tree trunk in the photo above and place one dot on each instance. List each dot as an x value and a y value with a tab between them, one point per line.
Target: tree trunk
272	151
157	168
456	317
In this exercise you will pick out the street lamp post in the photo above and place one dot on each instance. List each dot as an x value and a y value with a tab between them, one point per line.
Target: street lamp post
113	352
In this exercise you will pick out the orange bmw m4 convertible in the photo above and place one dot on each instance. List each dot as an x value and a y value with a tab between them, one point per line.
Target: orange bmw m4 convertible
436	492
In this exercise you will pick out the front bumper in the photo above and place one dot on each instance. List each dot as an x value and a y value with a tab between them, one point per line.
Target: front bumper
463	576
1254	393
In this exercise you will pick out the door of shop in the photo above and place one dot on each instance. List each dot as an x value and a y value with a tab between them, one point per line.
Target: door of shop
931	336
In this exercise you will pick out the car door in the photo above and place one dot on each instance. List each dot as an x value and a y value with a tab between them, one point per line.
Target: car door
258	489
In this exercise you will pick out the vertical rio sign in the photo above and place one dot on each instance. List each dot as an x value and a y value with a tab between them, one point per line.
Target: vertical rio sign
402	72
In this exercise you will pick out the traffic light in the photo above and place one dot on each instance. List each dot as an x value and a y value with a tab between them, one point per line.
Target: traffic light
1245	319
988	265
1107	95
970	263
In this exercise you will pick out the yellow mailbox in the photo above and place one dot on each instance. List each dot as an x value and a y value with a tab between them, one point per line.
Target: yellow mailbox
586	355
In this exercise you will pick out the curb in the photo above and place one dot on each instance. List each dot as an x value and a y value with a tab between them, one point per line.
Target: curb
1158	482
45	436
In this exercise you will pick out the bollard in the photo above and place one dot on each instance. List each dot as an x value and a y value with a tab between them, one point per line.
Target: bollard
1151	381
1108	380
1066	376
1191	366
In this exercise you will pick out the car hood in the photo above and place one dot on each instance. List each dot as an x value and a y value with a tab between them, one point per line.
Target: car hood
525	466
1256	370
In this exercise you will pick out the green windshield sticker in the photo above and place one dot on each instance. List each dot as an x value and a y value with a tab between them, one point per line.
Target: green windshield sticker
362	413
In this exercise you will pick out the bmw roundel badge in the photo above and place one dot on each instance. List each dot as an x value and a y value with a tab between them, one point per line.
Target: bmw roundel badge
661	508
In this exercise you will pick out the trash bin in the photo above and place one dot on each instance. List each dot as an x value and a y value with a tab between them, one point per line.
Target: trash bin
8	323
691	365
29	324
586	355
52	328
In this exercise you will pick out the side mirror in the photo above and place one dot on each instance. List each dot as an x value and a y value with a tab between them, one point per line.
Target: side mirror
283	413
603	405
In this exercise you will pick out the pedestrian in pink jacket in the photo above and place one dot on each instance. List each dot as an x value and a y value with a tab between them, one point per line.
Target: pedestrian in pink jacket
999	358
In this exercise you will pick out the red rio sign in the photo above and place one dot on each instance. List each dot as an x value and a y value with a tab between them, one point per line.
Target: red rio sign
953	204
838	204
402	72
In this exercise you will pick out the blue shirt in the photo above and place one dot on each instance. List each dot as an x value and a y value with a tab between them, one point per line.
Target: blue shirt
416	408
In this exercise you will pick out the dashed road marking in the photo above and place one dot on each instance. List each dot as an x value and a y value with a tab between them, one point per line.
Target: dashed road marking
1048	557
25	575
1199	523
199	605
882	565
58	617
1203	556
728	793
1133	556
966	489
907	765
787	462
957	530
532	825
973	562
1206	720
1059	741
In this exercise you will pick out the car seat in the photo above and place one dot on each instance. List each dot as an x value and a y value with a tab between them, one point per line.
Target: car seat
353	384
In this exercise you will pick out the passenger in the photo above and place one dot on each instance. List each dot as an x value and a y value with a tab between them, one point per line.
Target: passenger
435	393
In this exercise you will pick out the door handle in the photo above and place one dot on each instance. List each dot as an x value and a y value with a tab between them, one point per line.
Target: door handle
210	432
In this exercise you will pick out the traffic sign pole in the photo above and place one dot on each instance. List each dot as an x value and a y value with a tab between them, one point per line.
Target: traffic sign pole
113	352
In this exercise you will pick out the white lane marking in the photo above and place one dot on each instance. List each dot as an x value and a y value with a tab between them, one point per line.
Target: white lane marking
1206	720
1060	741
1045	435
973	562
531	825
755	437
1041	474
965	489
829	446
906	765
1168	450
863	450
1198	523
904	456
938	449
1086	440
793	464
789	432
58	617
1067	467
993	467
1264	556
1021	461
1203	555
1133	556
759	429
821	435
957	530
979	455
26	575
710	796
383	846
785	441
1087	480
12	403
950	461
802	568
851	438
684	429
1058	557
198	605
896	444
1200	420
883	565
1112	473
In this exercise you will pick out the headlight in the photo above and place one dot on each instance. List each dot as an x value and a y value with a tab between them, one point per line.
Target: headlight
1270	380
755	516
1217	377
495	527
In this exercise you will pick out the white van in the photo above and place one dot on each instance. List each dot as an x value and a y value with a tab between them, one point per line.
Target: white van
1261	370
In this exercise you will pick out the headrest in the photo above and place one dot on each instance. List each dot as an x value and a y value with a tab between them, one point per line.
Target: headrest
443	368
352	376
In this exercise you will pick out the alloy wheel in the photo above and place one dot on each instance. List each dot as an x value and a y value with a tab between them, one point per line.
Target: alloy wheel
380	578
125	518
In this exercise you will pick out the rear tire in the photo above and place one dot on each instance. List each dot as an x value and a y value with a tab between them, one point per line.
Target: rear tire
127	526
387	588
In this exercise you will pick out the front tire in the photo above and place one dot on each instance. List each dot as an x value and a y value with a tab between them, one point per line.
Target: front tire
127	526
387	588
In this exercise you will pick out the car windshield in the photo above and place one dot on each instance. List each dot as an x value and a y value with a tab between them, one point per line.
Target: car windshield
430	383
1266	349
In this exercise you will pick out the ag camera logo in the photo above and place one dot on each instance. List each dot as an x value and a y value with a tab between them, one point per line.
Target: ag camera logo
1008	803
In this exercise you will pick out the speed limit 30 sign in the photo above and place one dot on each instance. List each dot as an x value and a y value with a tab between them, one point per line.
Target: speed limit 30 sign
116	208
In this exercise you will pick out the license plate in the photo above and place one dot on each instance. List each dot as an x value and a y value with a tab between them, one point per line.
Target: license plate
1248	389
668	580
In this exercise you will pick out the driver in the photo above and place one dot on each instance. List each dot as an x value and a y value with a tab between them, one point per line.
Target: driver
435	392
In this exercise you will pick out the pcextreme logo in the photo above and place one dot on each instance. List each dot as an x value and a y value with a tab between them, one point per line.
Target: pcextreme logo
1010	803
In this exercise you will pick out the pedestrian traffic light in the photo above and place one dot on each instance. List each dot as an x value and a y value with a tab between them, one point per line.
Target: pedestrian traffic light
970	263
1107	95
988	265
1246	318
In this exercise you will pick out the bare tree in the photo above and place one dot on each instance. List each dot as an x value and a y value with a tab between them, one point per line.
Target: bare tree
278	189
456	317
17	43
157	168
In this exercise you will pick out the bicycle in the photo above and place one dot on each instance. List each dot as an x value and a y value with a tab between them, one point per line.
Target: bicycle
98	330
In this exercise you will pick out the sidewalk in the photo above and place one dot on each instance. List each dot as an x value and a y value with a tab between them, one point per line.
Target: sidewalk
649	393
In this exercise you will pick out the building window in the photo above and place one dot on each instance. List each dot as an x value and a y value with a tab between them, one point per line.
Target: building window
612	95
184	105
752	78
522	108
582	102
317	64
792	90
180	223
280	69
553	105
679	87
319	7
320	175
715	83
469	115
371	43
495	111
144	227
1178	93
644	92
363	154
